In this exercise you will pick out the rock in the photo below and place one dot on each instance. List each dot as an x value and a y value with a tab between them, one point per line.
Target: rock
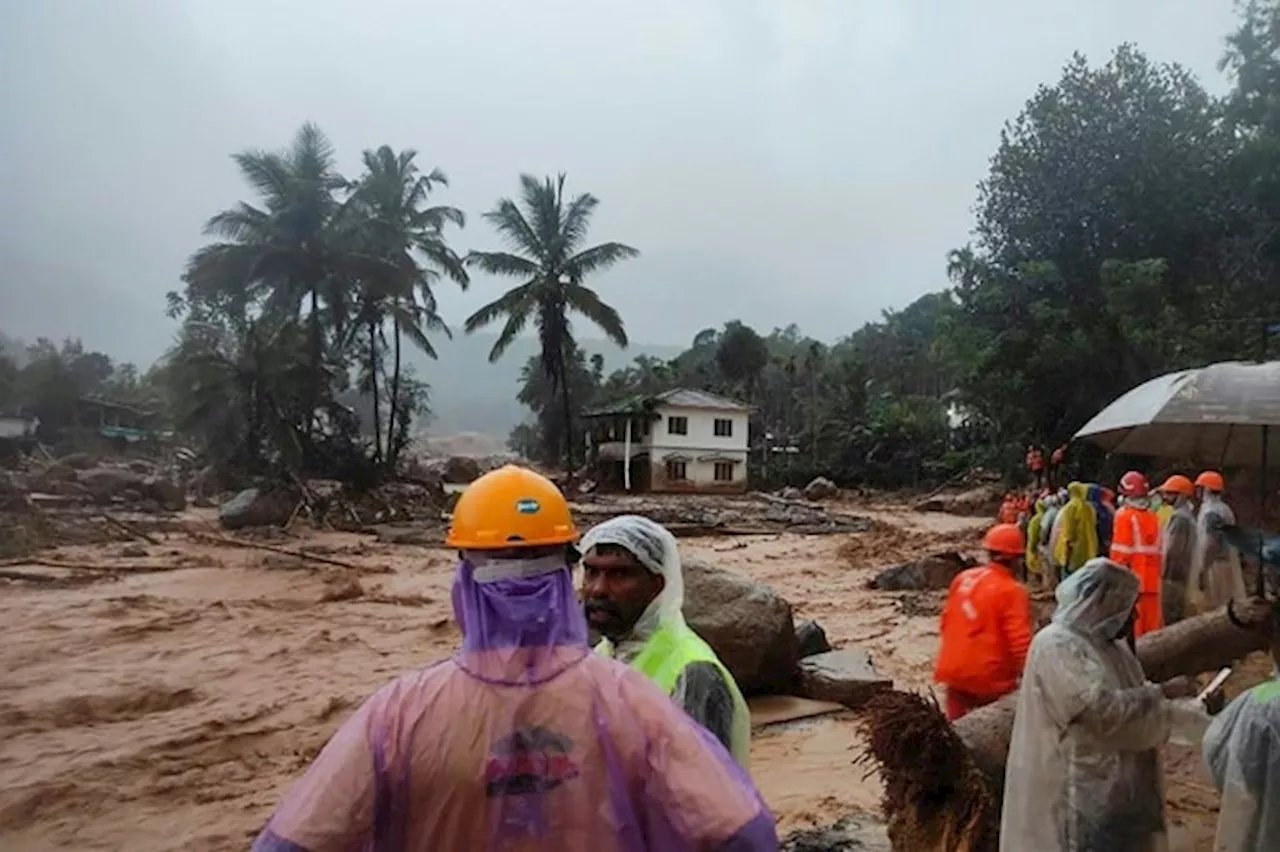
747	624
811	639
133	551
106	483
78	461
461	469
341	589
791	493
977	502
256	507
932	572
170	495
850	834
821	489
141	466
388	534
845	677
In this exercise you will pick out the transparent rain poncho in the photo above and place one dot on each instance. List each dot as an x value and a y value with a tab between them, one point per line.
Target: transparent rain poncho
1084	771
1242	751
524	740
1178	542
1216	576
705	691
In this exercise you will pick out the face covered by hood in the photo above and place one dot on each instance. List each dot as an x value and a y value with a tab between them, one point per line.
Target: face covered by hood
654	547
1097	600
521	610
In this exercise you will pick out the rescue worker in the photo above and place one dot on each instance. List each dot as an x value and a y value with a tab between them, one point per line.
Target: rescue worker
1075	537
1053	502
1242	751
1084	769
1177	546
986	627
1056	461
1034	555
1216	573
1136	545
633	593
1103	501
524	739
1035	465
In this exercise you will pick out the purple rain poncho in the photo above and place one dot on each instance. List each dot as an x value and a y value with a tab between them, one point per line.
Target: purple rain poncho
524	740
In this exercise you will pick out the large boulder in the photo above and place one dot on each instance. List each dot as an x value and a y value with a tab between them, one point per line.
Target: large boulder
845	677
821	489
171	496
935	571
747	624
105	484
256	507
461	470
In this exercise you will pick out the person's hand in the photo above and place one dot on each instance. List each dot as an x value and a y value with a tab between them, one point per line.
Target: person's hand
1178	687
1214	702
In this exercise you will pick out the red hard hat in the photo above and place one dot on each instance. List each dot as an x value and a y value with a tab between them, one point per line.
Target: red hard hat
1134	484
1005	540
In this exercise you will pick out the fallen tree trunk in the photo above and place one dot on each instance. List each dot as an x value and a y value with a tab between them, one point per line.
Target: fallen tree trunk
932	800
1199	644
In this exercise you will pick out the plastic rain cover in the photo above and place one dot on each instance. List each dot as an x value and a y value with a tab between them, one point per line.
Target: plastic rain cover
1216	575
1242	751
524	740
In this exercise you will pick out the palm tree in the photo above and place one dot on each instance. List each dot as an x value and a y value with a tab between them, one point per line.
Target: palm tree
400	228
291	250
545	238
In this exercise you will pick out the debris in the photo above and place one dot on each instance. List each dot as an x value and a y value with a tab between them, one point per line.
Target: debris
845	677
417	535
845	835
982	501
341	588
280	551
130	529
811	639
935	571
747	624
710	515
257	507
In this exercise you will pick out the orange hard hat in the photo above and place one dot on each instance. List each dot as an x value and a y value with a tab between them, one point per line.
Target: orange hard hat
1005	540
1134	484
1211	480
511	507
1178	484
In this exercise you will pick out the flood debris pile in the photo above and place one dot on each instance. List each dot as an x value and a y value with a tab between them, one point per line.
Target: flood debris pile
935	795
709	515
327	504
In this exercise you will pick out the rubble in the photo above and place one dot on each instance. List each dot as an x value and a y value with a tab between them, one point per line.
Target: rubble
708	515
821	489
746	623
845	677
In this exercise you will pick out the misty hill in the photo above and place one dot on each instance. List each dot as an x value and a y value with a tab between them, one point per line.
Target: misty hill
468	394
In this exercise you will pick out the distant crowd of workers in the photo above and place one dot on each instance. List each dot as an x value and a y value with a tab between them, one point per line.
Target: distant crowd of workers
1084	768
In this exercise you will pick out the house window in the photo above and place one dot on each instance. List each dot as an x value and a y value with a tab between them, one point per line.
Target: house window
724	427
724	471
676	471
677	425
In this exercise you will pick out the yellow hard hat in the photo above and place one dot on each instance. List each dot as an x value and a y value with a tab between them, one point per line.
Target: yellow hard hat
511	507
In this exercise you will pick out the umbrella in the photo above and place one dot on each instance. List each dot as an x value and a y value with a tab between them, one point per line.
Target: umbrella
1218	415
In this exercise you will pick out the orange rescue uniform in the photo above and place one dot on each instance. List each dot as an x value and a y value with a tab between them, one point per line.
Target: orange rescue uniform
1135	544
986	630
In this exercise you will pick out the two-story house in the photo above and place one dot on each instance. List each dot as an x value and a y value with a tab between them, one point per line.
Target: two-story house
681	440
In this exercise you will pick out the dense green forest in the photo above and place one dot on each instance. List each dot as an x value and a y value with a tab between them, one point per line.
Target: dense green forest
1127	226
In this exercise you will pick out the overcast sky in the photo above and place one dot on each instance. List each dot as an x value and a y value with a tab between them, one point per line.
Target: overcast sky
807	161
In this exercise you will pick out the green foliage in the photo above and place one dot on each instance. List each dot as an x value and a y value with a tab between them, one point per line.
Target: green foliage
546	232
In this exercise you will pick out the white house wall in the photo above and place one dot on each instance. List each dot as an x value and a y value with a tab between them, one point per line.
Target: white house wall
701	433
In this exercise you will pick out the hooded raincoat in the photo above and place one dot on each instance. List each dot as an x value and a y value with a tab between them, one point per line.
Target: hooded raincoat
524	740
1178	544
1104	514
1034	557
663	647
1075	538
1216	575
1242	751
1084	771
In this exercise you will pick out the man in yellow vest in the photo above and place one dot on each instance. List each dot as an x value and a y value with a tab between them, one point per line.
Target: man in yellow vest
633	593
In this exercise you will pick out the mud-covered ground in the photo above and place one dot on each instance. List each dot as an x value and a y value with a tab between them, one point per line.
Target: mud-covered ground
168	704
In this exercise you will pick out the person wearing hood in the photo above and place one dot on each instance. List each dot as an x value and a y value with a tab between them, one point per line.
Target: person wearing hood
1034	557
1242	752
1084	771
1216	573
1177	546
633	593
1075	536
985	627
524	739
1044	543
1103	501
1136	545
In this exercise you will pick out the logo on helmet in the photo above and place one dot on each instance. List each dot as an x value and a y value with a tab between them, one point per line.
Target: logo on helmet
527	507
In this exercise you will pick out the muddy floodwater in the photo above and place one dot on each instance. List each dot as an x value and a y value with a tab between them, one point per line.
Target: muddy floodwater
169	705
